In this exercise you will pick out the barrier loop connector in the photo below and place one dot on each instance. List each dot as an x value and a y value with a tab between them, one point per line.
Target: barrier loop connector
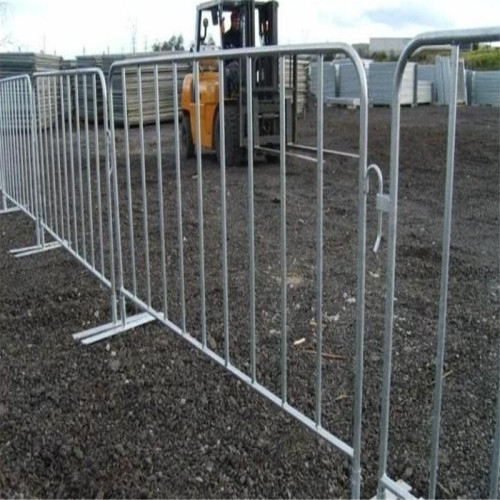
383	201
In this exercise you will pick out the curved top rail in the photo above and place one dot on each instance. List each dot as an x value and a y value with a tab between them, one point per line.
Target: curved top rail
82	71
235	53
65	72
15	77
448	37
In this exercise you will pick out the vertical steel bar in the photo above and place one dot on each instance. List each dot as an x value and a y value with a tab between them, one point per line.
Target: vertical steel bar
30	167
19	134
223	189
89	177
5	148
319	241
495	457
40	234
180	236
390	275
52	158
160	195
361	278
98	174
129	182
19	149
112	194
72	164
14	159
15	144
8	127
3	159
196	67
14	141
47	172
283	242
445	266
22	144
144	192
80	173
65	160
26	123
41	156
48	186
8	92
58	157
5	145
251	222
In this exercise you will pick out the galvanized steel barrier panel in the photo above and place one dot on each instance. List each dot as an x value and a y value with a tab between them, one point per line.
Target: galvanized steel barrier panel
153	204
74	177
453	38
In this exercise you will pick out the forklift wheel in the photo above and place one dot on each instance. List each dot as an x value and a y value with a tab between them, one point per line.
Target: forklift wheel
234	153
187	145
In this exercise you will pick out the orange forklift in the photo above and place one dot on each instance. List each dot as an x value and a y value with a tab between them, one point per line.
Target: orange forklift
258	27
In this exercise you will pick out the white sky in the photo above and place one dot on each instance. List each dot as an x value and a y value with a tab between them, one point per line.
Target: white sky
67	26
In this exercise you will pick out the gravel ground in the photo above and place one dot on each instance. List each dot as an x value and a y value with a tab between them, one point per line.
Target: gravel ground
145	415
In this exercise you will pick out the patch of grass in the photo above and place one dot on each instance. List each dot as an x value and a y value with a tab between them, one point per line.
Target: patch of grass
487	58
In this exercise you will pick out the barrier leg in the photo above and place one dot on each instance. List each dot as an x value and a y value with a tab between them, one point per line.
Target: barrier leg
111	329
39	248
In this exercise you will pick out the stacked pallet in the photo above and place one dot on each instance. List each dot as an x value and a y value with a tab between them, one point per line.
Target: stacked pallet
427	73
165	87
165	91
21	63
302	81
27	63
381	82
424	92
85	62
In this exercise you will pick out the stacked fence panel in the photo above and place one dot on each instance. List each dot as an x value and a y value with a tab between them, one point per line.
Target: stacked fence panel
380	83
486	88
329	81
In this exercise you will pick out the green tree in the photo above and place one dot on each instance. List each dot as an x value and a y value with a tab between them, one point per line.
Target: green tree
173	43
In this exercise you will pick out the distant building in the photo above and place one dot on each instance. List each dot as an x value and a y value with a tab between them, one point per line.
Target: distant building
363	49
393	46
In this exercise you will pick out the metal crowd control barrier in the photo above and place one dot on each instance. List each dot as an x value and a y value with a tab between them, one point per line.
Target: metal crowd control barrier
151	287
19	176
74	177
453	38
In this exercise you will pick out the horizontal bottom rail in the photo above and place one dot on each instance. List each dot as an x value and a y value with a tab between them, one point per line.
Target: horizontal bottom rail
325	151
307	422
276	152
